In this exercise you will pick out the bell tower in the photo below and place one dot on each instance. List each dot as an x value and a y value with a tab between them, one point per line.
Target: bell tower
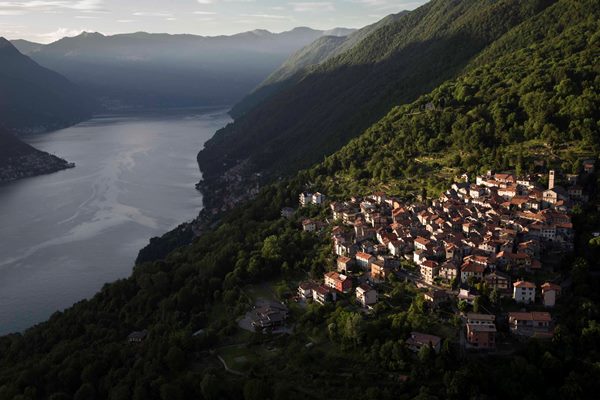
551	180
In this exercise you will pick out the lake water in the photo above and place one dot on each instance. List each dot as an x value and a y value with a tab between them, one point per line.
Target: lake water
62	236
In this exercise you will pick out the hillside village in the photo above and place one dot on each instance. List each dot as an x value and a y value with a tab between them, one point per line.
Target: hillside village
501	234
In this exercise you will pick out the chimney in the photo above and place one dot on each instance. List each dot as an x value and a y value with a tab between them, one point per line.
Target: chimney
551	180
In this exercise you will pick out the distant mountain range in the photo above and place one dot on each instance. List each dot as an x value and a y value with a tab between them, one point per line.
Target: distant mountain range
161	70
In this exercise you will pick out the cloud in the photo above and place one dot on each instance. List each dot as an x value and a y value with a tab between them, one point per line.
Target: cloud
11	12
205	13
319	6
153	14
22	7
265	16
60	33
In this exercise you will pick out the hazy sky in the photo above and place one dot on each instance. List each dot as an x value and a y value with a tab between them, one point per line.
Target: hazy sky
48	20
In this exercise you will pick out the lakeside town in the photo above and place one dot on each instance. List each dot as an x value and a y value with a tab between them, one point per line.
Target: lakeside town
501	234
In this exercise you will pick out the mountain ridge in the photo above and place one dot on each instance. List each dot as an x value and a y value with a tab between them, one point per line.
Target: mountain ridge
33	99
146	70
341	97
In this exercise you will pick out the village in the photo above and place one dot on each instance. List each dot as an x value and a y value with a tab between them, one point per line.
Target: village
501	233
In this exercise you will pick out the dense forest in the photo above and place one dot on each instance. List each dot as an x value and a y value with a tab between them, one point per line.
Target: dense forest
348	93
527	102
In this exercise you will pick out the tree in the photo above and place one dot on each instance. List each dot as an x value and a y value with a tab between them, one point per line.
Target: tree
175	359
476	304
210	387
271	249
495	297
255	389
85	392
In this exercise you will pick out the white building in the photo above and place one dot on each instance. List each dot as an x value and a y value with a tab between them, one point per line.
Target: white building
550	292
524	292
366	295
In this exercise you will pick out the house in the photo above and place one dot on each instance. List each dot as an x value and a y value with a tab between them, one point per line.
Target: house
137	337
305	290
448	271
508	192
429	271
481	336
471	269
421	243
575	192
396	248
309	225
418	340
366	295
524	292
379	271
318	198
506	179
530	323
269	316
287	212
305	198
435	297
498	281
589	166
344	264
339	282
550	291
323	294
480	319
364	260
466	295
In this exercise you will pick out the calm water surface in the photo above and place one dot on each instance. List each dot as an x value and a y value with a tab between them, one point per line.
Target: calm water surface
62	236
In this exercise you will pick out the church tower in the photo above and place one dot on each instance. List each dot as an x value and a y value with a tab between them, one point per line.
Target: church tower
551	180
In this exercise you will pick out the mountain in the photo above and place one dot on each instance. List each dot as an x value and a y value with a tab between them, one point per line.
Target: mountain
161	70
35	99
340	98
19	160
300	63
25	46
527	101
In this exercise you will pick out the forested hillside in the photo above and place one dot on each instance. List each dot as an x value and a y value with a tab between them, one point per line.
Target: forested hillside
35	99
302	62
532	96
345	95
19	160
527	102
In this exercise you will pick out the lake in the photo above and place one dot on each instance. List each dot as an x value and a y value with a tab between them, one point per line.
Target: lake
63	235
